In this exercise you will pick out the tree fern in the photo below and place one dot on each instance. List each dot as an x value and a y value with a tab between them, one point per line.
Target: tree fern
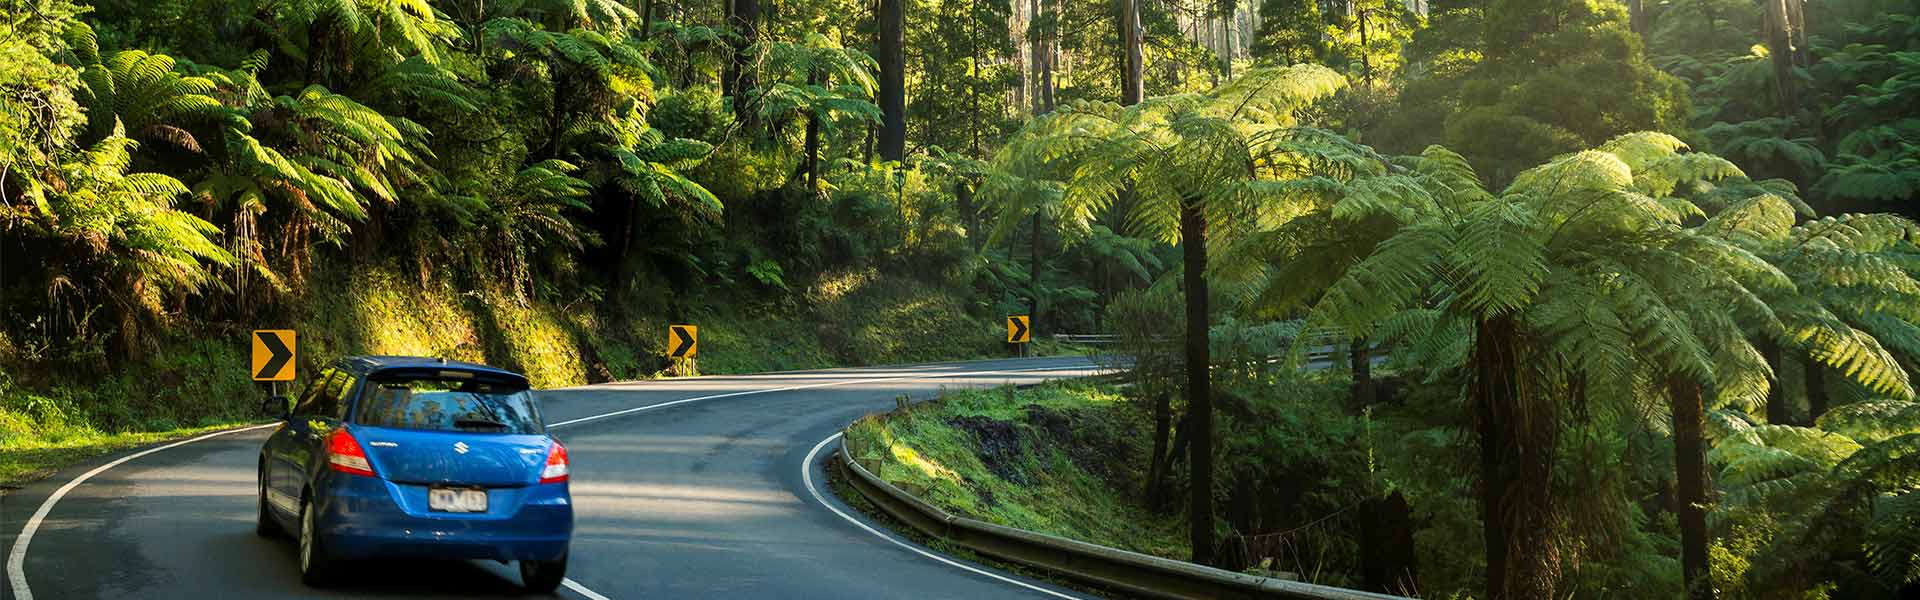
1767	142
144	93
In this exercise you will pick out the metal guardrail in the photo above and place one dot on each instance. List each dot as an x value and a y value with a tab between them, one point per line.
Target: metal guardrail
1326	342
1130	572
1085	338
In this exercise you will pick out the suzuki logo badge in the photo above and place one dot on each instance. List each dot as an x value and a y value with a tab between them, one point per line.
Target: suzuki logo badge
460	447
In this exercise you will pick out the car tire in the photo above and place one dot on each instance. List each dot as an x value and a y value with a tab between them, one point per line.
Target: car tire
316	568
266	526
543	576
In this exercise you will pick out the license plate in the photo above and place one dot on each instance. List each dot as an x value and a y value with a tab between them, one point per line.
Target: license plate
456	500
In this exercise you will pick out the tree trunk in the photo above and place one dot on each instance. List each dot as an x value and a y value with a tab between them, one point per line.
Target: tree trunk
1033	276
973	85
813	152
813	141
1386	545
1193	242
1366	64
1226	44
868	145
1361	356
893	81
963	201
316	48
1132	84
1181	431
745	21
1637	18
1817	397
1043	57
1034	55
556	116
646	19
1517	441
1797	14
1157	461
1689	458
1778	413
1780	49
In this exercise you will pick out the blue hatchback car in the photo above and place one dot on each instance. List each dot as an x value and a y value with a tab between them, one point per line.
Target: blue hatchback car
394	456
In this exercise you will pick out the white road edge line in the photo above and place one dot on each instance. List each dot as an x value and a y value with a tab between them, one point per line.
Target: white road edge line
17	557
582	590
806	476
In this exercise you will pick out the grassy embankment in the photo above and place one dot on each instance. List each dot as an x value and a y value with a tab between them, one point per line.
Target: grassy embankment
55	410
1065	459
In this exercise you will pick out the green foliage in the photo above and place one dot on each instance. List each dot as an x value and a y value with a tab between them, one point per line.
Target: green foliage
1848	139
1510	84
1053	459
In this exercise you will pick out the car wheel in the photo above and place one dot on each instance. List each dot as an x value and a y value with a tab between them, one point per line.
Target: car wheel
543	576
316	568
266	526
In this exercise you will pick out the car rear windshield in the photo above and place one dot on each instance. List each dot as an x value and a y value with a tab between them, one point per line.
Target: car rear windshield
449	402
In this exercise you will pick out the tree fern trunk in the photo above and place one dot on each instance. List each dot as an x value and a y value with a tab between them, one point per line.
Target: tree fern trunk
1193	242
1362	361
963	200
1517	439
1157	465
1182	428
1778	413
1689	459
1490	346
1817	398
745	21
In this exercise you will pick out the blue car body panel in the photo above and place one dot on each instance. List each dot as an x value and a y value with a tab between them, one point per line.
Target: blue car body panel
387	515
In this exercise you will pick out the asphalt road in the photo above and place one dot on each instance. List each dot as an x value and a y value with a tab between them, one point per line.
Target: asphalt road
686	488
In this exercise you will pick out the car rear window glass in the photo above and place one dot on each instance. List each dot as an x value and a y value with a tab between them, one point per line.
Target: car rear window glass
448	404
321	397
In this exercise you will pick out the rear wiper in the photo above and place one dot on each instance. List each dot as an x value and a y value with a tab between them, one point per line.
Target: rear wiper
473	423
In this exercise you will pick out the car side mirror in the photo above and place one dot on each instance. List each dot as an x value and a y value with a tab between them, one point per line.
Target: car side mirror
278	407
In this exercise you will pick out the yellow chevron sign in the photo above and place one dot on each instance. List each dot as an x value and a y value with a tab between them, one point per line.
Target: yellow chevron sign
683	341
273	354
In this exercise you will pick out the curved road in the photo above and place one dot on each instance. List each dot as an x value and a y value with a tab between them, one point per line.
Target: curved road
683	488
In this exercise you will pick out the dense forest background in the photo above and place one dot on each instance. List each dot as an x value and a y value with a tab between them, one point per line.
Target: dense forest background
1701	387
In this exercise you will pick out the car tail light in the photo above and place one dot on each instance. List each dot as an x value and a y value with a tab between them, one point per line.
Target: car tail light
556	470
344	454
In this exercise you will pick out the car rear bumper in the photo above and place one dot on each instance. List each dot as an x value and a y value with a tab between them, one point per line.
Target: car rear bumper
364	517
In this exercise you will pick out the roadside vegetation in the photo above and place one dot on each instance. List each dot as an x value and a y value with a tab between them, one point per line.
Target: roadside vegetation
1058	459
1646	270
